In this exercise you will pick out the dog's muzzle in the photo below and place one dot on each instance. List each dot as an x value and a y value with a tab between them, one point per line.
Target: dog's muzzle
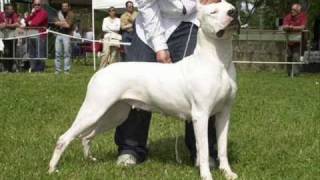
234	25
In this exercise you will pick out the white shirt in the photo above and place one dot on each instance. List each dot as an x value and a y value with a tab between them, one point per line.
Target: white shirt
76	34
89	35
158	19
111	25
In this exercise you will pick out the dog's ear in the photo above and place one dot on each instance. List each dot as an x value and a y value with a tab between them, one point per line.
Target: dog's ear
199	9
199	5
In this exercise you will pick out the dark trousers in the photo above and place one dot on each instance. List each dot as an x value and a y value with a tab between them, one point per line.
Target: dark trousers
293	56
127	37
37	49
131	136
8	53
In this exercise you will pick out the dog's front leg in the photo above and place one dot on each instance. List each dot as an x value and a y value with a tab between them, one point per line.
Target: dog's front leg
200	124
222	127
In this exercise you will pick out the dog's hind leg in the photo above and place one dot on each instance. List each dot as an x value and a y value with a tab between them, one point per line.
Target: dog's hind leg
116	115
200	123
93	108
222	127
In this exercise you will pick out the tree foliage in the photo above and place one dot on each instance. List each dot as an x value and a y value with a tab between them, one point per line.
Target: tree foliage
267	11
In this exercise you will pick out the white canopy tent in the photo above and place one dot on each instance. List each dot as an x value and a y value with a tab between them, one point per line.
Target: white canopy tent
2	3
103	5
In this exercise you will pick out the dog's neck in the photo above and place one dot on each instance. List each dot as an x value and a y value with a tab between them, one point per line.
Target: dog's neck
217	50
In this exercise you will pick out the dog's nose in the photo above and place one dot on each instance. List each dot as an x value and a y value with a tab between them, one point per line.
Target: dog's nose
233	13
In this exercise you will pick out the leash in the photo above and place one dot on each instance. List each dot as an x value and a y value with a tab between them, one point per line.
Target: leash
178	159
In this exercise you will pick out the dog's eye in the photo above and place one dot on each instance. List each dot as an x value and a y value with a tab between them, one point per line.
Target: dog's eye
213	12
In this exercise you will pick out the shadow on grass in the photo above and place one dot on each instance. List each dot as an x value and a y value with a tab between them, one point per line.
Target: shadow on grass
163	151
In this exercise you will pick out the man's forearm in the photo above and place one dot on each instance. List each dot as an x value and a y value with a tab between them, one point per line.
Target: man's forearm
293	28
62	24
12	26
298	28
2	25
127	26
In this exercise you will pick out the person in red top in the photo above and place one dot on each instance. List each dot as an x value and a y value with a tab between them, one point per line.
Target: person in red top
38	18
9	20
295	21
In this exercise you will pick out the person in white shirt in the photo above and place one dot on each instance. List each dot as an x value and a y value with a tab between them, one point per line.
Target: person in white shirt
162	31
112	22
111	25
89	34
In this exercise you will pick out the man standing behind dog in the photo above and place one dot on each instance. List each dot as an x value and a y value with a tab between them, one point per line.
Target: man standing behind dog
65	24
165	31
127	20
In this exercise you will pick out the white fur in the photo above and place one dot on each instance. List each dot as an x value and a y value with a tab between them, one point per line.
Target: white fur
195	88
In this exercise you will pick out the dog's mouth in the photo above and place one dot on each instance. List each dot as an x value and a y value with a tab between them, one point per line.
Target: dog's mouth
220	33
233	26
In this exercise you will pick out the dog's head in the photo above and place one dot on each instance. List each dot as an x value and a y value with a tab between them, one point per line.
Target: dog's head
218	20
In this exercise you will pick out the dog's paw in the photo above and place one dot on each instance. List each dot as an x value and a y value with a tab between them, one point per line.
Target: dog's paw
230	175
93	159
52	170
197	162
208	177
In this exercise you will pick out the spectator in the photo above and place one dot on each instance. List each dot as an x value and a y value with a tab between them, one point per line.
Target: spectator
76	33
111	27
65	24
127	20
161	34
75	44
9	20
38	18
89	34
295	21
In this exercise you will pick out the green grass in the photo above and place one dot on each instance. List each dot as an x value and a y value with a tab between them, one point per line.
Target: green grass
274	134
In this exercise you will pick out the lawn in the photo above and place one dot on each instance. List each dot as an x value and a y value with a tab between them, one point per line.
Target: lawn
274	134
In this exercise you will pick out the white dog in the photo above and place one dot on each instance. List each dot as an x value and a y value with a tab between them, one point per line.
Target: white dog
196	88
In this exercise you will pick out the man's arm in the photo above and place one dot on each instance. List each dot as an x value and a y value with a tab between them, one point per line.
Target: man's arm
16	22
2	21
286	24
68	23
154	31
13	26
125	22
178	8
2	25
151	23
38	19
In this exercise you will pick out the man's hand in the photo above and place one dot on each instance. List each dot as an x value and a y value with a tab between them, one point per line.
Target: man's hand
3	25
163	56
62	24
286	27
32	11
57	23
204	2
